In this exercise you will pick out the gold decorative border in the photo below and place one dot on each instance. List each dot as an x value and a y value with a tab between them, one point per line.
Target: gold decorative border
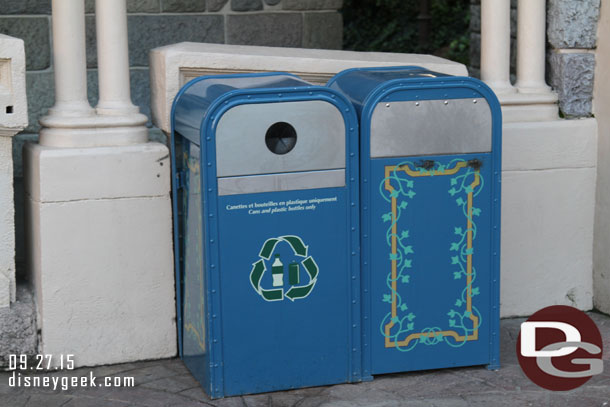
475	320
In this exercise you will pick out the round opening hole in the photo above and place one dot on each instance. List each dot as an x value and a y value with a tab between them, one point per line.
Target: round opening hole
281	138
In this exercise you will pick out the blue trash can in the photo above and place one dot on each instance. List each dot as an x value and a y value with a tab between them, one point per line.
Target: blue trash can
266	219
430	218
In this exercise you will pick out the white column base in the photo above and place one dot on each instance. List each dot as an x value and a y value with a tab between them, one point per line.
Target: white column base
548	203
93	131
502	88
100	251
532	88
529	107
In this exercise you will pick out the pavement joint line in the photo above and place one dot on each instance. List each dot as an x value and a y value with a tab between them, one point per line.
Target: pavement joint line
193	398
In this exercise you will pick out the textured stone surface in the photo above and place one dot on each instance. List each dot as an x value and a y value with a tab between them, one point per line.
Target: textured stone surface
140	90
216	5
133	6
183	6
41	95
272	29
92	87
323	30
475	18
169	383
146	32
475	50
18	329
246	5
572	24
25	6
7	224
36	35
142	6
312	4
571	75
272	2
150	31
13	99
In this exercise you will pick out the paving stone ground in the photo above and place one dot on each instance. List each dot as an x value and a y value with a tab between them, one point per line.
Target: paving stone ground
167	382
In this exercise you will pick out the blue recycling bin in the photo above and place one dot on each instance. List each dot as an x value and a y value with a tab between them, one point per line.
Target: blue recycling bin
430	218
266	220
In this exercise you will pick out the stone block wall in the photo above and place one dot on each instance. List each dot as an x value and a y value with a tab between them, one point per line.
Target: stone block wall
572	38
153	23
571	43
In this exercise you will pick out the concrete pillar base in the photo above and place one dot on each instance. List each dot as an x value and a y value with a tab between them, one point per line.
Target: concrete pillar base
529	107
93	131
100	251
548	204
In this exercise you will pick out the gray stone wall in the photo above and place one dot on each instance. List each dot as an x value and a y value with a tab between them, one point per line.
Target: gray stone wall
572	38
153	23
571	41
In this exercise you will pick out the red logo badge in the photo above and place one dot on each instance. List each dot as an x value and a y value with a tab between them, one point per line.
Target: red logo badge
560	348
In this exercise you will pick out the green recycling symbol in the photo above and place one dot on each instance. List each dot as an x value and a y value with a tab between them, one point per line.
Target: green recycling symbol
297	290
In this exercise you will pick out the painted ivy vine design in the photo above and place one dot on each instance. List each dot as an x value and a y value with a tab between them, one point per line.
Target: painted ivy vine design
402	190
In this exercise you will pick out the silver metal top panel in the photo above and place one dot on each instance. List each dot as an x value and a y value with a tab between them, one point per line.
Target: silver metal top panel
430	127
281	182
240	138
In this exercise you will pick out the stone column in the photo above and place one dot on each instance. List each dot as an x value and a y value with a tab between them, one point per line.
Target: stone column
69	63
531	46
99	231
495	45
70	70
72	122
113	58
530	100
